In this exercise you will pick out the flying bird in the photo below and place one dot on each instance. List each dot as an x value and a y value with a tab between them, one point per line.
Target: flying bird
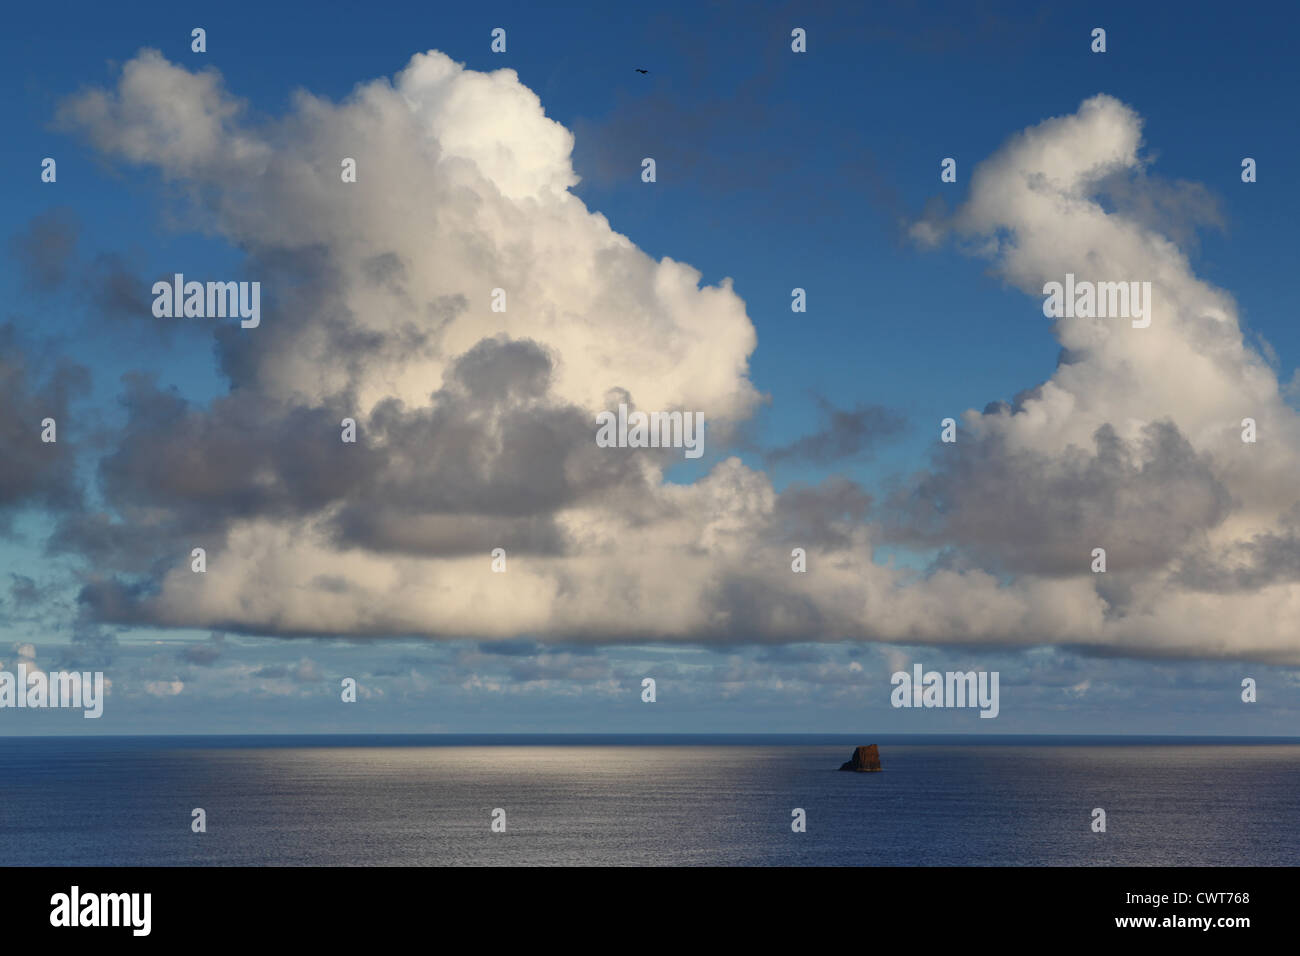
639	70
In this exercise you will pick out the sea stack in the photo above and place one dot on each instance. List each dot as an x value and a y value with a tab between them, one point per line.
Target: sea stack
865	759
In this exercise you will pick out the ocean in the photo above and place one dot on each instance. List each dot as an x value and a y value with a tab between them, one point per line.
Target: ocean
647	800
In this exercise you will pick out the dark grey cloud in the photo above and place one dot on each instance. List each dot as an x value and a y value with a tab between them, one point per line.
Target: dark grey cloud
114	289
1020	511
45	249
112	600
844	435
244	456
821	516
25	593
112	542
486	465
110	286
33	472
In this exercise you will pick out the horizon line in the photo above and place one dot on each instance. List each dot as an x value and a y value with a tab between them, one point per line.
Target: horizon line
606	734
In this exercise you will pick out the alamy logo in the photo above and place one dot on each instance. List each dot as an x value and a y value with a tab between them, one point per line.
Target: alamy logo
651	430
55	689
212	300
950	689
103	909
1100	300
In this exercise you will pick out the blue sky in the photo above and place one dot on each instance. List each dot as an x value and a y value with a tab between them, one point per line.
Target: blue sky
776	170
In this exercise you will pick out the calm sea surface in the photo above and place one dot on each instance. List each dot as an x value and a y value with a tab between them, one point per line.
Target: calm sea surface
419	801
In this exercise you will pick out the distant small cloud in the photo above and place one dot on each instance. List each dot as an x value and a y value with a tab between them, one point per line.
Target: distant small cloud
164	688
845	434
204	654
45	249
307	671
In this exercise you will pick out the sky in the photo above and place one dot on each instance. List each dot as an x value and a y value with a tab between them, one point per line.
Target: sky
775	170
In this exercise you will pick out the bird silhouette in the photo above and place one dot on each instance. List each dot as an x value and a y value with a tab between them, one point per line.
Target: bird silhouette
639	70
